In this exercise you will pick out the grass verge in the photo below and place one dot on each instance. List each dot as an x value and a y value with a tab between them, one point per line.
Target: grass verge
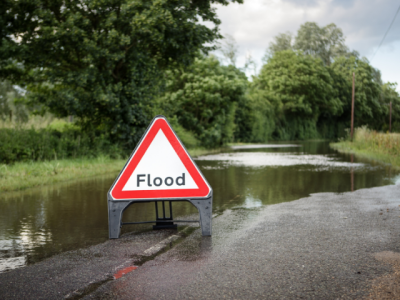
23	175
382	147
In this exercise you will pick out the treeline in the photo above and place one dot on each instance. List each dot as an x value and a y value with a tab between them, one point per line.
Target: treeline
113	65
303	91
295	96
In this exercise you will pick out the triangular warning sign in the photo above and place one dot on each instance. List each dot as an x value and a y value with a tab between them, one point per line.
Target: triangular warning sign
160	168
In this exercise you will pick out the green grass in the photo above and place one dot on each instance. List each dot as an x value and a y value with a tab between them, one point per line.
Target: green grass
23	175
382	147
199	151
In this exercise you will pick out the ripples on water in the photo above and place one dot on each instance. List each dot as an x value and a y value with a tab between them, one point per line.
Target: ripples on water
259	160
39	223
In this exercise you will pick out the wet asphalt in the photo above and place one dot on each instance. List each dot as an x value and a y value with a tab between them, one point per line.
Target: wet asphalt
319	247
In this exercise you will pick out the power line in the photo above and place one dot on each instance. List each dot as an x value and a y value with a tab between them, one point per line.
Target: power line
394	18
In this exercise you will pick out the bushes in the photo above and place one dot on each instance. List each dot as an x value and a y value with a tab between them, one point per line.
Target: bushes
46	144
186	137
18	144
204	98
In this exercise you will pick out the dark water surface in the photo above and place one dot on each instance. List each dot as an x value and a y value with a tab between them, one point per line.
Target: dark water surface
39	223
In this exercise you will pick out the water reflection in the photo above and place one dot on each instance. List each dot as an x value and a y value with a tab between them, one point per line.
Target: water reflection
251	159
39	223
263	146
254	177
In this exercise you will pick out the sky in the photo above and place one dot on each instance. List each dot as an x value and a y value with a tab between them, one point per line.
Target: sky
364	23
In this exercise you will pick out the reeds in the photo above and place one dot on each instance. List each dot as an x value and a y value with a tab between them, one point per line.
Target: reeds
384	147
387	143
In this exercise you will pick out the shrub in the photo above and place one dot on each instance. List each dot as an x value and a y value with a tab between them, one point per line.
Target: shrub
46	144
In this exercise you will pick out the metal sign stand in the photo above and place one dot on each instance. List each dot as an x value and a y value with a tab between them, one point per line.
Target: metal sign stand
116	209
164	222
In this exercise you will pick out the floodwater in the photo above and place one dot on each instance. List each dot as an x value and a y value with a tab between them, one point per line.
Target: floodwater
38	223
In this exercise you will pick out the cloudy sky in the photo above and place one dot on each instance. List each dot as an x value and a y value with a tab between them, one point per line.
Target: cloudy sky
364	23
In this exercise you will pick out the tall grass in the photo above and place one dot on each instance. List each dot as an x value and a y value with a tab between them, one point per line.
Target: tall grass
378	142
22	175
384	147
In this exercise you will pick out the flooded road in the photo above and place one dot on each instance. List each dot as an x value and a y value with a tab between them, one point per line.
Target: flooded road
39	223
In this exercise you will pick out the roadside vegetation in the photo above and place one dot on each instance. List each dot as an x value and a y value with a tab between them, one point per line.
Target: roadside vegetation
78	85
383	147
23	175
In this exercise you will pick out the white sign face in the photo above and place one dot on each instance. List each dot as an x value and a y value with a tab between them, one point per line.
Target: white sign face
160	168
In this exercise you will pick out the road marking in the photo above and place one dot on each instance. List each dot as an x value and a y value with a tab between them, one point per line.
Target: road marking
161	245
124	271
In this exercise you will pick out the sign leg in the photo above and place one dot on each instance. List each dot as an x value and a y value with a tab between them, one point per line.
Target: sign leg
115	210
205	210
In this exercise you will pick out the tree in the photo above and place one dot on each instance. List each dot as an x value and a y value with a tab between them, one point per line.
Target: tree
204	98
283	41
390	94
10	108
249	64
255	117
101	60
230	49
368	99
300	88
5	106
326	42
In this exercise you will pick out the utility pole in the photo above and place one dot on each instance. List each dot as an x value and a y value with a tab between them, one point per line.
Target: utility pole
352	112
390	117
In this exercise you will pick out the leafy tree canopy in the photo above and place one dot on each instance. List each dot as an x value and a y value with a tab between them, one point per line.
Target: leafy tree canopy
10	108
326	42
101	60
204	98
298	84
301	90
390	94
283	41
229	49
368	98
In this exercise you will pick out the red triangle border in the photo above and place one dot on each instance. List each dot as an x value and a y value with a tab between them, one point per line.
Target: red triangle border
160	123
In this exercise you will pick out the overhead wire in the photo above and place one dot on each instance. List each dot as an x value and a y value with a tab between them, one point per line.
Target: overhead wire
394	18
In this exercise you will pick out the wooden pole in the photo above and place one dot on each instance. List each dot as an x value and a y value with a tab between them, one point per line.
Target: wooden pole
352	112
390	116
